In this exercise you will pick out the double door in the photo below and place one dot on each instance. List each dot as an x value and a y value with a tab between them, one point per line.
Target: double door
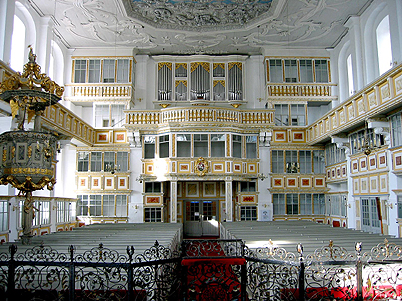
201	218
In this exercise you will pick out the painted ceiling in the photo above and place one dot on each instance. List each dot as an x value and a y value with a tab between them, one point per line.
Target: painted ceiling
200	27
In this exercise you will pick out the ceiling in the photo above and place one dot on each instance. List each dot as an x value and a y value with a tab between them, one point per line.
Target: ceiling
202	26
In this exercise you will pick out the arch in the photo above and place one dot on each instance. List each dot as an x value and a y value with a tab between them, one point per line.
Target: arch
384	52
370	41
30	29
343	71
56	66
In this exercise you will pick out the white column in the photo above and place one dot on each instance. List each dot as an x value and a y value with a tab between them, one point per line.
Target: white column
13	215
53	215
353	24
173	201
228	199
43	40
7	10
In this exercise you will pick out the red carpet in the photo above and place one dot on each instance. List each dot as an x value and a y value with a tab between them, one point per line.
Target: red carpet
210	275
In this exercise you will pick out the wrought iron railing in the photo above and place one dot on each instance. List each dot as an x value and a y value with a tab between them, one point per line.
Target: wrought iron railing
203	270
42	273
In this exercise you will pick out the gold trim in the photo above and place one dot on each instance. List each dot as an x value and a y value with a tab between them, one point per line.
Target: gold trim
216	65
184	82
162	64
181	64
222	82
195	65
238	64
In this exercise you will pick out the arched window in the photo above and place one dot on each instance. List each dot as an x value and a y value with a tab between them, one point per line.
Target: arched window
351	88
18	45
384	46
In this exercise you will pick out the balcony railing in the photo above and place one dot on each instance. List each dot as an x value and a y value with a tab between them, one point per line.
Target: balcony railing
382	95
311	91
207	115
99	91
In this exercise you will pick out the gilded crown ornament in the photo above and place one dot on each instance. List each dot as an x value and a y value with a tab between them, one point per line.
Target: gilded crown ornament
28	156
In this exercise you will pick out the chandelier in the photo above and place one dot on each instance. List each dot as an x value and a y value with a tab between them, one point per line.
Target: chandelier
28	156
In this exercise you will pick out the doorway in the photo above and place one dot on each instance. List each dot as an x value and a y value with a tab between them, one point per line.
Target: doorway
201	218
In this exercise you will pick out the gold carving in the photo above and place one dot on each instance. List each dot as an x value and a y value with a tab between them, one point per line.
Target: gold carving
232	64
167	64
164	105
4	155
222	65
222	82
201	166
184	65
202	64
12	152
29	151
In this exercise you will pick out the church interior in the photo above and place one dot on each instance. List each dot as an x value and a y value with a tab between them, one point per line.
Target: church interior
271	121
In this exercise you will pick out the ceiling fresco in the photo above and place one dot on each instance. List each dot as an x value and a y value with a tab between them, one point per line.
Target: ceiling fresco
199	27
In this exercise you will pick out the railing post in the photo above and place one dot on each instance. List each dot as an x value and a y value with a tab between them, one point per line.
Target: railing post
359	272
130	273
243	275
11	273
301	273
71	285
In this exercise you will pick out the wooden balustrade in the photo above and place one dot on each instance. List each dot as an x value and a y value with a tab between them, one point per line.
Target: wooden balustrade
180	115
299	90
380	96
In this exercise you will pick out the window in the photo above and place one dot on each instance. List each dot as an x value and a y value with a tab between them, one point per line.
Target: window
399	206
18	45
334	154
108	71
118	116
200	145
108	161
153	215
236	146
80	71
290	71
292	166
321	71
275	71
370	214
282	114
247	186
152	187
318	161
164	146
319	204
44	213
305	204
94	71
183	145
122	161
121	205
305	161
251	147
96	161
149	147
292	203
298	114
359	139
83	161
351	86
306	71
384	51
102	115
3	216
279	203
396	130
123	71
218	145
95	205
108	205
248	213
82	205
277	161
